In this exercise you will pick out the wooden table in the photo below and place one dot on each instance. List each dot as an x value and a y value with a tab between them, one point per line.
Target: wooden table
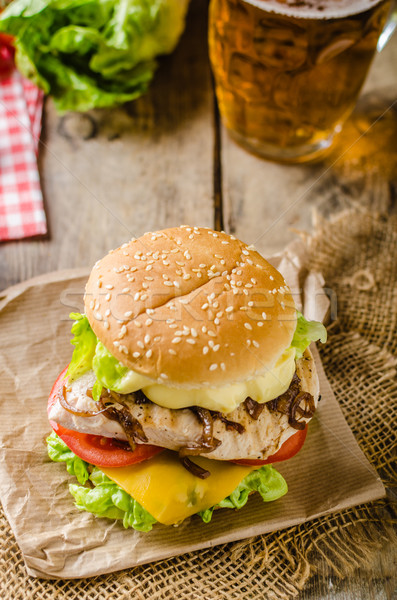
165	160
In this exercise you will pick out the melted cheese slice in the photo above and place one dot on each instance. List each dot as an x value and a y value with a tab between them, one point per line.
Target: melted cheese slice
169	492
224	399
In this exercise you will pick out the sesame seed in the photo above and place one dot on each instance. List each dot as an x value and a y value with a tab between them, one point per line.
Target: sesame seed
255	343
190	340
193	332
163	376
149	353
108	296
144	297
264	317
186	276
169	283
109	286
117	344
148	278
157	338
216	348
224	242
211	333
125	290
250	303
123	330
106	324
249	261
179	263
204	329
216	321
271	277
98	316
204	306
92	304
229	309
213	367
136	296
149	311
133	269
171	351
211	343
245	252
137	324
99	283
148	322
145	285
176	340
147	338
205	350
124	349
223	366
148	268
140	344
282	304
260	323
248	326
136	354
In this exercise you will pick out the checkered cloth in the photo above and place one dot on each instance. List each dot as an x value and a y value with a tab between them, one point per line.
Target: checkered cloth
21	201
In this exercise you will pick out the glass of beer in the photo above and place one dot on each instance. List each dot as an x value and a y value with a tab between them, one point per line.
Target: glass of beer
288	72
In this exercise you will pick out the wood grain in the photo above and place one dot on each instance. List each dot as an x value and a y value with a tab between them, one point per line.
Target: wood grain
112	174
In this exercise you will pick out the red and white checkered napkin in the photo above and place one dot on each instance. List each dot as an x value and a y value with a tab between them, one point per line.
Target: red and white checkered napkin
21	201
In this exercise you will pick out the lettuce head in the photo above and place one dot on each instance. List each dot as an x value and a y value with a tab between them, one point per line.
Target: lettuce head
92	53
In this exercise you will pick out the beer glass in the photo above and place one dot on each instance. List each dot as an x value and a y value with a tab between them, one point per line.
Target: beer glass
288	73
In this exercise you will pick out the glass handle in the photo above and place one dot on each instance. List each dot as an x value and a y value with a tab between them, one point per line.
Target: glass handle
389	28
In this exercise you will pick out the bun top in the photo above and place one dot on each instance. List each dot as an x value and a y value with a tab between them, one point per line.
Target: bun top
190	307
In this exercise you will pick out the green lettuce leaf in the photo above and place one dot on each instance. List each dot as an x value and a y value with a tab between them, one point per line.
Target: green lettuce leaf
92	53
84	342
108	370
266	481
58	451
307	332
107	499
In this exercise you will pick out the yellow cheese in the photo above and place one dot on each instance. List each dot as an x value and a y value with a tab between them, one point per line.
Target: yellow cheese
225	399
169	492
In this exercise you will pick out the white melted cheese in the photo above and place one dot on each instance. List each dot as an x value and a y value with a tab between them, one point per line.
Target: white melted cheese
224	399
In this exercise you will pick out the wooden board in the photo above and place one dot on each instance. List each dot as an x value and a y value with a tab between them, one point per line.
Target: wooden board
113	174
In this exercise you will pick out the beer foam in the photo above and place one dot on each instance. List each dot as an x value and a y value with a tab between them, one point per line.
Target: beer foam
315	9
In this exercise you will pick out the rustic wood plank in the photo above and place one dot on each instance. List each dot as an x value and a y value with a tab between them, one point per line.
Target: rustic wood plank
113	174
265	201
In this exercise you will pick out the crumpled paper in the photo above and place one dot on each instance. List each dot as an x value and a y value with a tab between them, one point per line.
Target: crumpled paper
330	473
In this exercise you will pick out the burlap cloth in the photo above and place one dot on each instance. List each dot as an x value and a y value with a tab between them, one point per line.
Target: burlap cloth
357	253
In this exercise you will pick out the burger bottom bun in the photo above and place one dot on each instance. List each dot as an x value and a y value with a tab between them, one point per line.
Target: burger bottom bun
176	429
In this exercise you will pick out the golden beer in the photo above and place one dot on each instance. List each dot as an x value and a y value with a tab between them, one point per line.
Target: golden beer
288	72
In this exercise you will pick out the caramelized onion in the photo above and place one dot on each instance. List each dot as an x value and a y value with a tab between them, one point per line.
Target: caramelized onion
194	468
290	402
78	413
230	425
253	408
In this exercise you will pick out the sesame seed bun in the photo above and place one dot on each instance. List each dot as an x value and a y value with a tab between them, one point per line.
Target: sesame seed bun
190	307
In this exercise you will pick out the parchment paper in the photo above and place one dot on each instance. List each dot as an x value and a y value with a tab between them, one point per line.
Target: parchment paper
57	540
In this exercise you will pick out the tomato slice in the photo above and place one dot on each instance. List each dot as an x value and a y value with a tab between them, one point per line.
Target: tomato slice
7	52
95	449
287	450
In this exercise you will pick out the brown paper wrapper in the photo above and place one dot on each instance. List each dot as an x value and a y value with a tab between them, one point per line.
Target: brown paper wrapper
57	540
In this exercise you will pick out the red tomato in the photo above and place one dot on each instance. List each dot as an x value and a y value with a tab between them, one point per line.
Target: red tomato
287	450
7	52
95	449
